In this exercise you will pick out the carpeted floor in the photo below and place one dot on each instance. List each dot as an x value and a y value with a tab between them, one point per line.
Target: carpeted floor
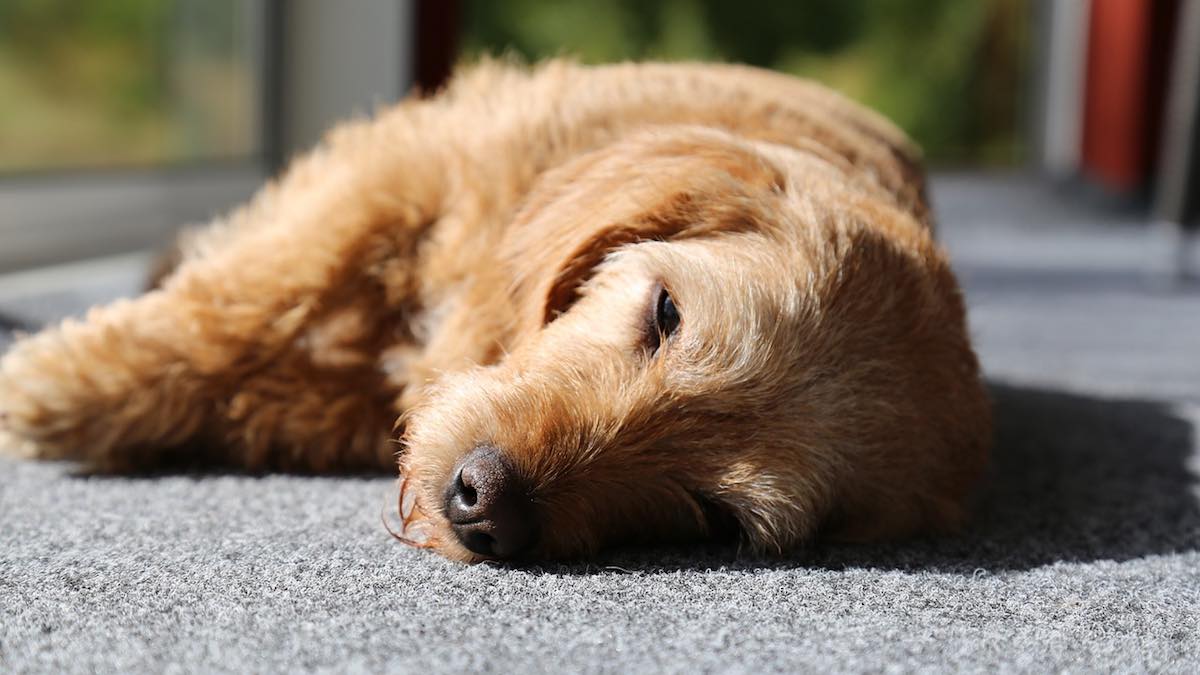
1085	555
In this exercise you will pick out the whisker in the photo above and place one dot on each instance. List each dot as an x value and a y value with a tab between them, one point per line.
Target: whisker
410	524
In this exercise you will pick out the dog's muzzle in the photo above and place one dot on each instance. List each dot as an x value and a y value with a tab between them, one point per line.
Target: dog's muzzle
488	505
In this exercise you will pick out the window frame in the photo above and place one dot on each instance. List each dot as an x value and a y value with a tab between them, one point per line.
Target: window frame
51	217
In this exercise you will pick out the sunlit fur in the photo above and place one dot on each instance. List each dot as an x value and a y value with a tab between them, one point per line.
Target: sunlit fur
481	265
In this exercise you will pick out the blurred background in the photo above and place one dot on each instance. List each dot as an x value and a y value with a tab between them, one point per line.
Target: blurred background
124	83
182	106
1061	133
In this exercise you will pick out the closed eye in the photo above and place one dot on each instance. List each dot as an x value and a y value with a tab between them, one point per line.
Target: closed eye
663	318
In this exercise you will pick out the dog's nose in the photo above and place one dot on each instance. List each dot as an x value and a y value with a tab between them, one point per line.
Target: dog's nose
489	508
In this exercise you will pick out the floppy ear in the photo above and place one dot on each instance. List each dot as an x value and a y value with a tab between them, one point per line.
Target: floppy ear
660	186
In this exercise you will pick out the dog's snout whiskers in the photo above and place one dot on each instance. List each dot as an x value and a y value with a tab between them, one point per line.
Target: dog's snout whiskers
411	528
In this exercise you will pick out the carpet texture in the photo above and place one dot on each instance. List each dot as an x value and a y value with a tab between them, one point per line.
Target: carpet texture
1084	555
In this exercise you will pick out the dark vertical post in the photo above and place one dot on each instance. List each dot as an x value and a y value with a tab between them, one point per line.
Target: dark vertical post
437	29
1176	198
1177	195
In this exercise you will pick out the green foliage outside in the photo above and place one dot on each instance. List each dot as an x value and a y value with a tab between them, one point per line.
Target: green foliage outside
122	82
950	72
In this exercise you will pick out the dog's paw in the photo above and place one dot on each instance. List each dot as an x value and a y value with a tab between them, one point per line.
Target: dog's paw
31	429
37	411
12	442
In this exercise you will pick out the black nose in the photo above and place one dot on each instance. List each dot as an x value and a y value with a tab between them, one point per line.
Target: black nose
488	506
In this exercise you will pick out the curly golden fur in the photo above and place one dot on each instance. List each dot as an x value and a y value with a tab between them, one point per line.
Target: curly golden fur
480	266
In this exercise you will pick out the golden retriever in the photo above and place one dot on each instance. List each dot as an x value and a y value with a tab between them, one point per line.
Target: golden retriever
639	302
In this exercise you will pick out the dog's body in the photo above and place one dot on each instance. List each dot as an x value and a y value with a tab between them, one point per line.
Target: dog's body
627	302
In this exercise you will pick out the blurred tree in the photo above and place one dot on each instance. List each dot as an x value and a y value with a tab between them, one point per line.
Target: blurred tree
120	39
119	82
950	72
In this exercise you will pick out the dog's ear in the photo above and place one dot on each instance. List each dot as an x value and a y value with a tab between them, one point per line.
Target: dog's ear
658	187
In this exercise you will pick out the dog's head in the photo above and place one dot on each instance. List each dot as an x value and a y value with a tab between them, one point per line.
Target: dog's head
713	337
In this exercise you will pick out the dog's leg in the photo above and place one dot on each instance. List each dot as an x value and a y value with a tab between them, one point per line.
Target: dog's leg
137	382
87	389
225	350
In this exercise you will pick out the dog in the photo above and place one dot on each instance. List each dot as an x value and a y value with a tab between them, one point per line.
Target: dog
596	305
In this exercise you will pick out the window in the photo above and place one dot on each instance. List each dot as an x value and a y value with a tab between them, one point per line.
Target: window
121	120
127	83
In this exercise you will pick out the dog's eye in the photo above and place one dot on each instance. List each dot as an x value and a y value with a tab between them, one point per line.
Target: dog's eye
666	318
666	315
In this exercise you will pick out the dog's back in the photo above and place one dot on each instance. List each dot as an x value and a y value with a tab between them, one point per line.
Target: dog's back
560	109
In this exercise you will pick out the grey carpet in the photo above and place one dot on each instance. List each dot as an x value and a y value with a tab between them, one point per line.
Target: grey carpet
1085	555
